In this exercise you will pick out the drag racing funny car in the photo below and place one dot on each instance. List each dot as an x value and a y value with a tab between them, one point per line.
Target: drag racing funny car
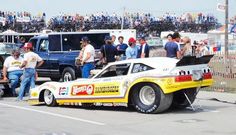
150	85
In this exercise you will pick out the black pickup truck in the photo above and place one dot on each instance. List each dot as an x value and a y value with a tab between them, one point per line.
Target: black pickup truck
59	50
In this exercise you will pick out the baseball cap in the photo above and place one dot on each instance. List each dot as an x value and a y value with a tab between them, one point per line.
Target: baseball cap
28	45
132	40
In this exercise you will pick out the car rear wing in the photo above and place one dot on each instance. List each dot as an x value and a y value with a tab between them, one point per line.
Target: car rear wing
193	60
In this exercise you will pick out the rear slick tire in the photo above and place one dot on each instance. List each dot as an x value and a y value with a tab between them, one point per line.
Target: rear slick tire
149	98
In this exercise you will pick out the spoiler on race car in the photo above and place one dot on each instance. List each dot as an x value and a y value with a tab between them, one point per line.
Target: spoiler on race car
193	60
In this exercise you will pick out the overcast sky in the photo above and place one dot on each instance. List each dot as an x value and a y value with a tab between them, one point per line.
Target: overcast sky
155	7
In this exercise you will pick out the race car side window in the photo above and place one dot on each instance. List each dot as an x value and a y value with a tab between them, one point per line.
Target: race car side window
115	70
139	67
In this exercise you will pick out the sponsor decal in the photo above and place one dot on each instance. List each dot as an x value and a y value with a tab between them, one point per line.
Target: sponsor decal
34	94
148	79
106	89
169	81
63	91
82	90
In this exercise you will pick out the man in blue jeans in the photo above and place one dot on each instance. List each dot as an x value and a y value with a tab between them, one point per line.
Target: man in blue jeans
87	58
30	62
12	70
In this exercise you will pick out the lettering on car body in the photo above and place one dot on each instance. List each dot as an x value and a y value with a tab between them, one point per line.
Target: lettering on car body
63	91
80	90
106	89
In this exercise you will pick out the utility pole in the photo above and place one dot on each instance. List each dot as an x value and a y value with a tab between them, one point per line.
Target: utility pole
226	27
122	21
227	60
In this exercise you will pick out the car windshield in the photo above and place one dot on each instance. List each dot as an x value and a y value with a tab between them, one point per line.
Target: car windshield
7	48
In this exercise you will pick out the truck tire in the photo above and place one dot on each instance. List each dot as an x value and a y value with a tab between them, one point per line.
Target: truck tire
149	98
179	99
68	74
49	98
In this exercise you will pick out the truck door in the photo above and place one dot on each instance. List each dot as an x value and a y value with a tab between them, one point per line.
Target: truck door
42	51
55	55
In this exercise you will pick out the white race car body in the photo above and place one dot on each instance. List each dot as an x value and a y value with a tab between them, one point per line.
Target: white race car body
119	81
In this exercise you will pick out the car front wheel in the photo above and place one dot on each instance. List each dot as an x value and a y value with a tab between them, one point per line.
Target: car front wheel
149	98
49	98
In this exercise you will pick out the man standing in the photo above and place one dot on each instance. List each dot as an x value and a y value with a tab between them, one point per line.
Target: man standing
12	70
108	51
144	48
121	47
172	48
87	58
132	51
30	62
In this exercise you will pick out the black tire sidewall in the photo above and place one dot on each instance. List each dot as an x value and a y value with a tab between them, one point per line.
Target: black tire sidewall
139	106
68	70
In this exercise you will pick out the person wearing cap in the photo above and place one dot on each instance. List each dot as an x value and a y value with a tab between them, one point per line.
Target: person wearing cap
12	70
121	47
31	61
108	51
87	57
132	51
144	48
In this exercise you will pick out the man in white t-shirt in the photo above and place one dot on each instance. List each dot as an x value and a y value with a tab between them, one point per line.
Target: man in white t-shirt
12	70
87	58
30	62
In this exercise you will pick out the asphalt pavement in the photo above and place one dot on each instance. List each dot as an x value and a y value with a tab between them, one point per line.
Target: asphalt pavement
214	114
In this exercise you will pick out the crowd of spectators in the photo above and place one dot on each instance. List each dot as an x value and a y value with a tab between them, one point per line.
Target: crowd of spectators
21	22
145	23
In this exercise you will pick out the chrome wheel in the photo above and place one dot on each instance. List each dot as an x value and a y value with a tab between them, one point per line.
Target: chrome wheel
67	77
147	95
48	97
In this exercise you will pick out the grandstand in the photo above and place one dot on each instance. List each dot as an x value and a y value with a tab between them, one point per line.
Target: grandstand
144	23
